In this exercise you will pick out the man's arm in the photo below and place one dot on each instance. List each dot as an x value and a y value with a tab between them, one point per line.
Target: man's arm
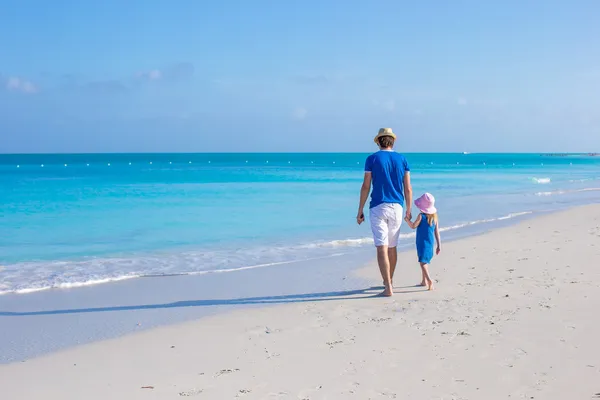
364	195
408	194
413	225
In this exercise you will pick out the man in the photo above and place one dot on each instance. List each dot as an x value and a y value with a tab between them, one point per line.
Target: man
389	174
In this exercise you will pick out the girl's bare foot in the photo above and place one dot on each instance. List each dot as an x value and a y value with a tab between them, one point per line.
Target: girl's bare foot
430	285
423	283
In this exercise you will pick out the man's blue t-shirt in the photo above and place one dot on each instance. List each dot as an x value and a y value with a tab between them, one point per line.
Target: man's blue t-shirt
387	170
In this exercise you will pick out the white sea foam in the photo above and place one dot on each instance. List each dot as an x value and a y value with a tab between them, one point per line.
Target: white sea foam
541	181
368	240
91	282
583	180
559	192
545	194
69	285
32	277
580	180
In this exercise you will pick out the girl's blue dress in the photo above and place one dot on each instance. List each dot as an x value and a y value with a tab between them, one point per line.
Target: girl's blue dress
425	240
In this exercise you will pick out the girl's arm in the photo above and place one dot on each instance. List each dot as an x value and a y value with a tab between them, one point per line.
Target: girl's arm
438	239
413	225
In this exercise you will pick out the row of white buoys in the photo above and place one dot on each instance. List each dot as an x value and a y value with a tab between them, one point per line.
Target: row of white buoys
267	162
87	165
209	162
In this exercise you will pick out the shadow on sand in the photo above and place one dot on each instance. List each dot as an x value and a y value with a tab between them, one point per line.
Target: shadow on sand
294	298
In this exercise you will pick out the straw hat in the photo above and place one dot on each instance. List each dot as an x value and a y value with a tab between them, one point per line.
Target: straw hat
385	132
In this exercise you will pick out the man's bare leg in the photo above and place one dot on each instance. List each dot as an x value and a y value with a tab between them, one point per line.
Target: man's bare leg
393	257
384	268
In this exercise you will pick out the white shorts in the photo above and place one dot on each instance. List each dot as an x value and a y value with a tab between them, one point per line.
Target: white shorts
386	220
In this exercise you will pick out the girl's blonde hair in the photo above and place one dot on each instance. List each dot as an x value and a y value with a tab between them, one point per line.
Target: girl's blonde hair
431	218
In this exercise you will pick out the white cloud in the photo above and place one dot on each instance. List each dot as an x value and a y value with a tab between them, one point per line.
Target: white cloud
21	85
461	101
151	75
171	73
299	113
154	74
389	105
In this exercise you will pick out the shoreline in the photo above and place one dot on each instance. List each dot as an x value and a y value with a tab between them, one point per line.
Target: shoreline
350	245
169	300
503	300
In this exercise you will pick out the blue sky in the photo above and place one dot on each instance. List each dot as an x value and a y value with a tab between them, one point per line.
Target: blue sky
120	76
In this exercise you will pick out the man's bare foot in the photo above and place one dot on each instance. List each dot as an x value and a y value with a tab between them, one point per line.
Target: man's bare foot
423	283
387	293
430	286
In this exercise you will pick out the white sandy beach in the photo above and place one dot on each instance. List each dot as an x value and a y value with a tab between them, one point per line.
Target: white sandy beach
515	316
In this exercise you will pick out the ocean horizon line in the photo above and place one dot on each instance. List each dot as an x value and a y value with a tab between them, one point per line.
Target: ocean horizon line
540	153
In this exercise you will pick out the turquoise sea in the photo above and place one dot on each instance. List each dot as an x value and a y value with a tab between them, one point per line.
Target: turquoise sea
71	220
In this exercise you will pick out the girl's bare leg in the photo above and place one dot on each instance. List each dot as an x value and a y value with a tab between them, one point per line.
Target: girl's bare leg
423	279
426	277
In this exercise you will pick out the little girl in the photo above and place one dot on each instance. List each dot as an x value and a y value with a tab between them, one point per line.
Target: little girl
427	228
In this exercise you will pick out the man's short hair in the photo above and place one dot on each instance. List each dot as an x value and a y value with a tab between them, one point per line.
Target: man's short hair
386	142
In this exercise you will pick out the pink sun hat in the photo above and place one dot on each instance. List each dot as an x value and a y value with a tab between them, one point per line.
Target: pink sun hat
426	204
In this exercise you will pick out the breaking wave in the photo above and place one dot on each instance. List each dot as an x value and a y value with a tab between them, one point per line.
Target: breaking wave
559	192
29	277
541	181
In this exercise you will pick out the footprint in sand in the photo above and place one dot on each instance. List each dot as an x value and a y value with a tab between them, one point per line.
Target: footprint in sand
225	372
190	393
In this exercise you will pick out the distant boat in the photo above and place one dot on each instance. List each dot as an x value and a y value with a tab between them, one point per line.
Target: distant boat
465	152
